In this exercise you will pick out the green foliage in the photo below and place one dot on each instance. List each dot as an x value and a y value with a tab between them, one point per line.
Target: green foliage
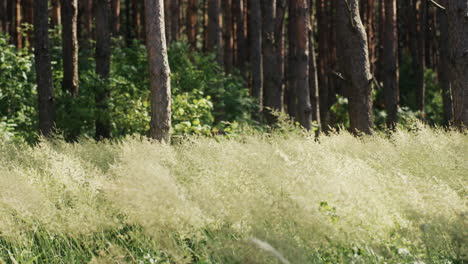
205	100
18	97
252	199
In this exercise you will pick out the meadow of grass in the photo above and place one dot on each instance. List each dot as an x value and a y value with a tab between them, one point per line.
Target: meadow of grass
276	198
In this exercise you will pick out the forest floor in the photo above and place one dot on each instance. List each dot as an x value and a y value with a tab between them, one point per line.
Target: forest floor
281	198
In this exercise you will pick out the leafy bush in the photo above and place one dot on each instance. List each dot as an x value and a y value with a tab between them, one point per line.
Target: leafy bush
205	100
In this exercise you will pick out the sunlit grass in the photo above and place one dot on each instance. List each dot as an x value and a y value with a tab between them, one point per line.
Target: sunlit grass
339	199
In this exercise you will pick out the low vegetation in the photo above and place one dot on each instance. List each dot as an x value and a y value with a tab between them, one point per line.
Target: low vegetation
258	198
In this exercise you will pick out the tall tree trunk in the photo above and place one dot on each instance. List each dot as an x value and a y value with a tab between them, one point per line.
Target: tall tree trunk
175	27
241	41
215	36
444	68
28	18
228	35
390	59
87	19
313	77
18	37
256	57
457	12
136	18
45	86
420	52
291	89
167	20
353	58
3	16
70	46
103	56
300	19
192	23
272	90
159	71
56	13
325	60
205	25
115	5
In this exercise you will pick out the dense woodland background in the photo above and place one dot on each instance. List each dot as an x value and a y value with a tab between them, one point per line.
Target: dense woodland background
80	68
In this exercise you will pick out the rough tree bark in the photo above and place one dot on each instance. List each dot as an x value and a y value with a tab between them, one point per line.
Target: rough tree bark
390	59
444	67
70	46
159	71
103	55
256	57
272	90
353	59
457	18
192	23
45	86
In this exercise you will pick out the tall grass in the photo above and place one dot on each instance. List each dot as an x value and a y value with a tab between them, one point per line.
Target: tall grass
253	199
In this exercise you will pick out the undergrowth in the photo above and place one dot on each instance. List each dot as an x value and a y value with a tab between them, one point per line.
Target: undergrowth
276	198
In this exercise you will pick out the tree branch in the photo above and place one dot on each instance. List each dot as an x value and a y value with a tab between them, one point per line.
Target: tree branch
436	4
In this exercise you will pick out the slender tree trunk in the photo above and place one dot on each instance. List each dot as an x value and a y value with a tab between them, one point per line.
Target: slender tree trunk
444	68
313	77
272	90
390	78
228	36
167	21
45	86
205	25
115	5
457	12
136	18
325	61
241	40
103	56
300	18
56	13
175	10
353	55
28	11
420	60
18	37
192	23
87	19
291	89
215	36
159	71
3	16
256	57
70	46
